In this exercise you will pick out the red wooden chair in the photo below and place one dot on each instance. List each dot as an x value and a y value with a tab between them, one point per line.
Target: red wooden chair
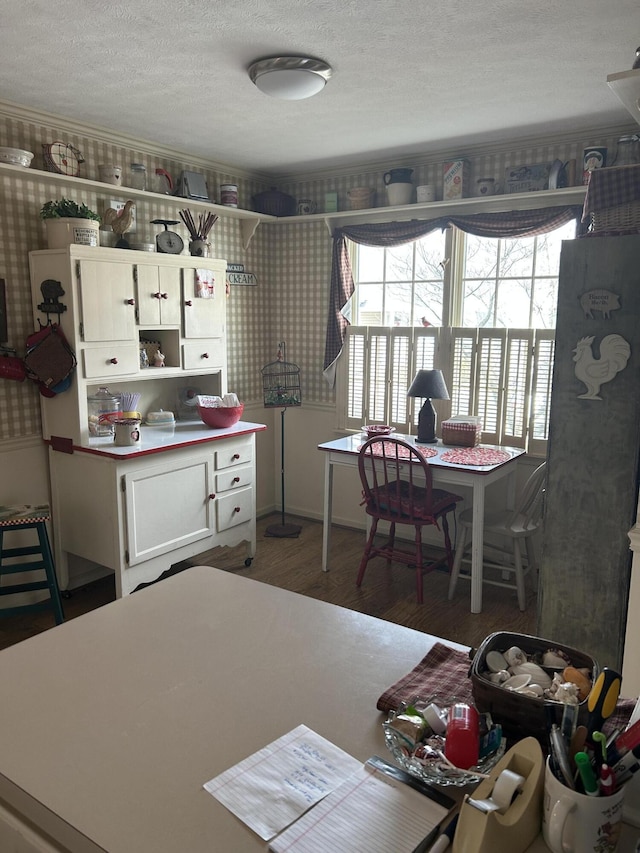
396	484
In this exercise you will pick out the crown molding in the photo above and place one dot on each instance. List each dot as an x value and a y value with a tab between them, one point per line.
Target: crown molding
110	137
581	135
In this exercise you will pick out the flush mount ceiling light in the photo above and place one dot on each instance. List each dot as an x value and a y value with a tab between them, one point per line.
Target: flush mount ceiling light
290	78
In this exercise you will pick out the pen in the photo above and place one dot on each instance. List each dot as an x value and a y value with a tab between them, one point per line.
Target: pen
628	740
607	781
589	781
444	840
628	761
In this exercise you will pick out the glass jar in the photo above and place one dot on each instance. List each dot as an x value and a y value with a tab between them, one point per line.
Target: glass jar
138	177
104	408
628	151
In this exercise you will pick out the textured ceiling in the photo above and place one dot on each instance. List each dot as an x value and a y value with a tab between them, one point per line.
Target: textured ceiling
409	75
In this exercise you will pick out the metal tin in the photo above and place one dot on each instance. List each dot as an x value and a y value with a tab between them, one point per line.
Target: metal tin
229	195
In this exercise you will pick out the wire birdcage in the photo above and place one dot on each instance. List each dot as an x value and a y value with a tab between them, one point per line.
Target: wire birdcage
281	388
281	382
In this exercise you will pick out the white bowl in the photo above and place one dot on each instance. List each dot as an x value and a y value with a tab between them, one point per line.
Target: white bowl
16	156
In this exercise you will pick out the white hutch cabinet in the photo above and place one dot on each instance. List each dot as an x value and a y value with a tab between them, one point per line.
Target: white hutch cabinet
138	510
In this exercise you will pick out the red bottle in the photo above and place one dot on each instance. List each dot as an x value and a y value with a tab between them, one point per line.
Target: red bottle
462	742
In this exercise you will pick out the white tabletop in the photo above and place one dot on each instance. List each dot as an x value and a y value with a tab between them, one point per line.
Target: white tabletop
112	722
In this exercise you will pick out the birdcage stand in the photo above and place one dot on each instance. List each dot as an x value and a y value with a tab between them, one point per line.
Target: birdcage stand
281	388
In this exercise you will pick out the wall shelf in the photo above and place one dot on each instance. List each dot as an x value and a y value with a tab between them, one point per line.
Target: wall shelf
463	207
626	85
249	219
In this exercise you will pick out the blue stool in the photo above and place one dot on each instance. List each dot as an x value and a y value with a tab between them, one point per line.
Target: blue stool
28	518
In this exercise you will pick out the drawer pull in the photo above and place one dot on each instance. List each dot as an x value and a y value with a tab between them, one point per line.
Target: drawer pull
212	497
113	361
130	301
205	355
236	479
236	509
236	456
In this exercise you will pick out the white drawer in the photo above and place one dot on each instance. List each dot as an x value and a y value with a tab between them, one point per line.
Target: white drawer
207	354
233	453
234	508
234	478
112	360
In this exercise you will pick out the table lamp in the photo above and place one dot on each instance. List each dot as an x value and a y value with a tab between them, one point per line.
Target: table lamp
428	384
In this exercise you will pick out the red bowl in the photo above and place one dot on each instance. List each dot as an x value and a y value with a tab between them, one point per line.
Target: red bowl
220	417
378	429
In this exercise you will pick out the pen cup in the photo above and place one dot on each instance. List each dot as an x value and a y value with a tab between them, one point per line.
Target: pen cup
576	823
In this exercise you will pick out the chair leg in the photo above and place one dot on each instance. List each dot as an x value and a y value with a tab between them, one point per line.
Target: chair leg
367	552
447	542
455	571
419	576
517	557
532	560
391	541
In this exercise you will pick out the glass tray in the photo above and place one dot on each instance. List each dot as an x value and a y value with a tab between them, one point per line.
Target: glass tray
436	771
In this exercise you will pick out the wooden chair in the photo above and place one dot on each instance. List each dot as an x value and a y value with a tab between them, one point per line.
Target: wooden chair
516	526
396	484
23	518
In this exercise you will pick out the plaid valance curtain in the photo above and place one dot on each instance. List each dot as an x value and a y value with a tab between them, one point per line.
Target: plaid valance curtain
515	223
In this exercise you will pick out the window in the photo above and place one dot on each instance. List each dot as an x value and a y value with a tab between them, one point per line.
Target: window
480	309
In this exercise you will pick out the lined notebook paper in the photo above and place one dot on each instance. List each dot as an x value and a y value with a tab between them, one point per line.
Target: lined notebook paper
370	811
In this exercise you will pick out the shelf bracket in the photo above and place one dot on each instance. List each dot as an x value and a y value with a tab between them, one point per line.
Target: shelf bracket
248	229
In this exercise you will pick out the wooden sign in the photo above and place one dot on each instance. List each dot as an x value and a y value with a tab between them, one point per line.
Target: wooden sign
241	278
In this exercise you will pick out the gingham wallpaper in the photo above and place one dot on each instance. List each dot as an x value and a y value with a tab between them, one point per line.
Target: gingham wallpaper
292	262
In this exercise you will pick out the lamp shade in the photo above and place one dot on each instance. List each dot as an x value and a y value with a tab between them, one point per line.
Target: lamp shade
429	384
290	78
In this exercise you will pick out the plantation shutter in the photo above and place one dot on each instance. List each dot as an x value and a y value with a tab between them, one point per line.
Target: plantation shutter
490	382
515	419
543	353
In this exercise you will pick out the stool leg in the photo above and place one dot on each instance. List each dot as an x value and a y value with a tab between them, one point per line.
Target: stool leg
52	580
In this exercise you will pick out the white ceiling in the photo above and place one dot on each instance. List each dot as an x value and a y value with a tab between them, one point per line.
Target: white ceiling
410	76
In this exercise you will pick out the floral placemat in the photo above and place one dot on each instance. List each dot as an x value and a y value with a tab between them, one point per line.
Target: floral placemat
403	453
476	456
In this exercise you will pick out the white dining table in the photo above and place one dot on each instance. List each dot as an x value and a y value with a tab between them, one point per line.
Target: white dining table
344	452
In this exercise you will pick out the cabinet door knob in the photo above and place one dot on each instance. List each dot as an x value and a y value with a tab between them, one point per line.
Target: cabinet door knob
236	509
205	355
130	301
236	479
212	497
236	456
165	295
113	361
188	302
157	295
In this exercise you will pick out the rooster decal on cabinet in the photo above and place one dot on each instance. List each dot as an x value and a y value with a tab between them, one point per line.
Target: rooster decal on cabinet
594	372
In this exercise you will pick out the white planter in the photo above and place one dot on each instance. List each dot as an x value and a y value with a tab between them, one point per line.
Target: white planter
63	232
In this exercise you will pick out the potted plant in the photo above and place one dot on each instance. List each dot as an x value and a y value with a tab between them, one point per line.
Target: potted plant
68	222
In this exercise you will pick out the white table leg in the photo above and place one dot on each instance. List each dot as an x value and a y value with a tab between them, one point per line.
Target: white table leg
326	523
477	536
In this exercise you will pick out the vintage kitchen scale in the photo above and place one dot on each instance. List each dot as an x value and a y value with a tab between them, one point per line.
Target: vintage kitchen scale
281	389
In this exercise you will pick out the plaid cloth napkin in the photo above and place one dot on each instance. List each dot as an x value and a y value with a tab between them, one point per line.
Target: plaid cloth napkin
443	671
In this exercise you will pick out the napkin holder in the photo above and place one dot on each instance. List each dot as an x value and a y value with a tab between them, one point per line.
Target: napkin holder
504	815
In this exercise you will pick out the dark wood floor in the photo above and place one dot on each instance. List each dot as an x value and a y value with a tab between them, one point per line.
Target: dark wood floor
295	564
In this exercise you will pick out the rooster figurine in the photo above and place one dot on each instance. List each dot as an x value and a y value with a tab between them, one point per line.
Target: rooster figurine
614	355
120	222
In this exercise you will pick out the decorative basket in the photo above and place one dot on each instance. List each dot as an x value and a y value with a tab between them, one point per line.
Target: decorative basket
620	219
522	716
463	433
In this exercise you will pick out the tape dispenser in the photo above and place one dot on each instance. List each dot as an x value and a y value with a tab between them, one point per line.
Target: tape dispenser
504	815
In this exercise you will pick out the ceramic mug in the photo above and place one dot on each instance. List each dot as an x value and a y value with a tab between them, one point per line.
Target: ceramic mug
127	432
426	192
110	174
576	823
306	207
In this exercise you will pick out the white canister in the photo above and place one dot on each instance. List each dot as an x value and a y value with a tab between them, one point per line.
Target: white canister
229	195
425	193
110	174
127	432
399	193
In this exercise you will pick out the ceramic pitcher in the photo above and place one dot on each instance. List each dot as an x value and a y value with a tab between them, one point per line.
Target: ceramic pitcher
397	176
